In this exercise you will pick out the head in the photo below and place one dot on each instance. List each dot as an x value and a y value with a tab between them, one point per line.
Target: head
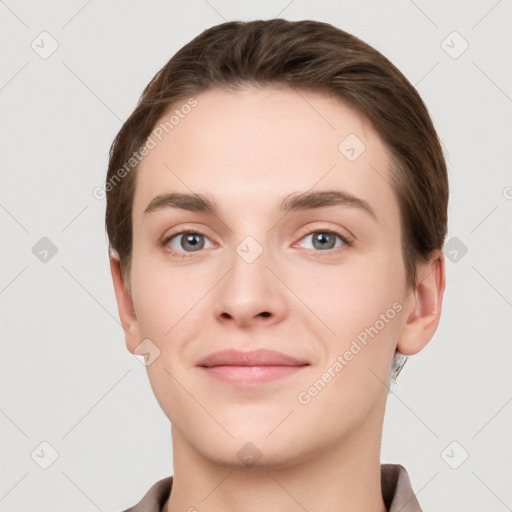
248	119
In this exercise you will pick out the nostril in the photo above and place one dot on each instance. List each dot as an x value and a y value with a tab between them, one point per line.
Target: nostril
265	314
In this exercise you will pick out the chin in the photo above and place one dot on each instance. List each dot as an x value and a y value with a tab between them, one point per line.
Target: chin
259	454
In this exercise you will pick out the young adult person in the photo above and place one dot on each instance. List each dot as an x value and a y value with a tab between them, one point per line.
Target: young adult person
276	211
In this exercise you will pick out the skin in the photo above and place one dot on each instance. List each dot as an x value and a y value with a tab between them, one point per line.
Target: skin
248	150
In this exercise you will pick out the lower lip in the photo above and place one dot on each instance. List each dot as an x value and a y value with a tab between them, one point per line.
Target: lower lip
251	374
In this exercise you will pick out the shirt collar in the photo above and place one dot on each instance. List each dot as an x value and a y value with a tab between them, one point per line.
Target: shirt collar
396	491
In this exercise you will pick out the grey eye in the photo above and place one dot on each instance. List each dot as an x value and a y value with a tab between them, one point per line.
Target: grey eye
322	240
188	242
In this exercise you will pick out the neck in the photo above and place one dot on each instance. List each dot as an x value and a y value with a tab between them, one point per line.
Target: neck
342	477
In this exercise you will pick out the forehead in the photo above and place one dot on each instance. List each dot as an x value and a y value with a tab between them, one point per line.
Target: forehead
248	146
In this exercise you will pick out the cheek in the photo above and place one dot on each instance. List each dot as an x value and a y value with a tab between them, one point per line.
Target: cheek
351	299
167	298
363	306
364	309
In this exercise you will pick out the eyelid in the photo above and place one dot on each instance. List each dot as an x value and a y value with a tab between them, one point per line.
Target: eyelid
182	230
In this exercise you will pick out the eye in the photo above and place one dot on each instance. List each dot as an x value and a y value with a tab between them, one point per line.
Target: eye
187	242
325	240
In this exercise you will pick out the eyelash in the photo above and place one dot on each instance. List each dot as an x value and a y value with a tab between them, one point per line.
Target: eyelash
343	238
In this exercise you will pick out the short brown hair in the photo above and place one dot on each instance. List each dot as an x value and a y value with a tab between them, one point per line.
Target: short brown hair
302	55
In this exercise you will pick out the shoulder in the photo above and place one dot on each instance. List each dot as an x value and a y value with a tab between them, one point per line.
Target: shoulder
155	498
397	490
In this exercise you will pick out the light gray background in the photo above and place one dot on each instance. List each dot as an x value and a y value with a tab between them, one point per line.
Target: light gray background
66	377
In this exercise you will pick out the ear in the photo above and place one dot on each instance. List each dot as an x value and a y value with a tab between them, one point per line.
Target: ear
125	306
424	308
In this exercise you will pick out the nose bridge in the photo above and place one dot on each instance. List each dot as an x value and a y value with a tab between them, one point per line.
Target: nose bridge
251	249
249	268
250	291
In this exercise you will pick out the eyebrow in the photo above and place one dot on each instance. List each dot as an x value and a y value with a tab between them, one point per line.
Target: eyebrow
294	202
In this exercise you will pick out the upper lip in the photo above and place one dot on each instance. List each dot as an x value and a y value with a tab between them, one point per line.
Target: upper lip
260	357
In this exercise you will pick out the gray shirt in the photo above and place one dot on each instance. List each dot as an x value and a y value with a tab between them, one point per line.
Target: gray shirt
396	491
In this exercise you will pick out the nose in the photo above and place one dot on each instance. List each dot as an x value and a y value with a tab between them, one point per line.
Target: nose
251	294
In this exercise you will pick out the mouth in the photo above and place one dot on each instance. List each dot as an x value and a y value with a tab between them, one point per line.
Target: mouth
250	374
254	367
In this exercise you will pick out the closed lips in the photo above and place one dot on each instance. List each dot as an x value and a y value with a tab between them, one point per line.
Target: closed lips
260	357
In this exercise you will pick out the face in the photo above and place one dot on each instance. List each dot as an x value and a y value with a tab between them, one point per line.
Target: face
297	252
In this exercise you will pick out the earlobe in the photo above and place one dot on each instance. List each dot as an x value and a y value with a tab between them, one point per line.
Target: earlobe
426	303
124	305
